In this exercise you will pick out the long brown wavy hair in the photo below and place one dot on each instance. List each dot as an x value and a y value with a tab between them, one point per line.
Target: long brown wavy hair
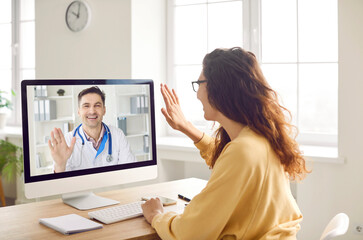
237	88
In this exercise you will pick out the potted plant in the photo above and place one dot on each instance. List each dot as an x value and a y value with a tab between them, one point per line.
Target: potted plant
11	164
11	160
4	103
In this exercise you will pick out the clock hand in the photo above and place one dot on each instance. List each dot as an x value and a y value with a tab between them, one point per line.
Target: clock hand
75	14
79	7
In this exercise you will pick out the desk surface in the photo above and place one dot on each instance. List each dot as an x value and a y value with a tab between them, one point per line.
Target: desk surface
22	221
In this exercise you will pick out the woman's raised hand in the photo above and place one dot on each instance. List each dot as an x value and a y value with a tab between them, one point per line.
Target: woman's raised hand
172	111
174	115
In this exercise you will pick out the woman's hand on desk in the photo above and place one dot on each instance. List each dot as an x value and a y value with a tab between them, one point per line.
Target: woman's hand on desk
151	208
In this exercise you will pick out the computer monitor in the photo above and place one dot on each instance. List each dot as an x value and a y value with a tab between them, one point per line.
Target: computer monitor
125	154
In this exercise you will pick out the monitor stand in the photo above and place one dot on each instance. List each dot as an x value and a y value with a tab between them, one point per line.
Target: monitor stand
86	200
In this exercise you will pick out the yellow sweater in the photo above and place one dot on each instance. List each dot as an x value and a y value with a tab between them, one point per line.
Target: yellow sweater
246	197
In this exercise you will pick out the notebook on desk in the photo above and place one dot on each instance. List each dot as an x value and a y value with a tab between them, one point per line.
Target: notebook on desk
70	224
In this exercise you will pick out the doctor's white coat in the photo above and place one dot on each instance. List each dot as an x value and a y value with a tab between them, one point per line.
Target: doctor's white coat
86	157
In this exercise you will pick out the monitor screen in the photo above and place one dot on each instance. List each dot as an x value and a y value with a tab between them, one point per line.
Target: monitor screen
85	134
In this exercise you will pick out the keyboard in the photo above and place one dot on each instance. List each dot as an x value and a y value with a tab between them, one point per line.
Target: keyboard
117	213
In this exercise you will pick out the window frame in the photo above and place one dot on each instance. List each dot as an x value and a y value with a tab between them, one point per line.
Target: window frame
205	126
15	118
252	30
15	22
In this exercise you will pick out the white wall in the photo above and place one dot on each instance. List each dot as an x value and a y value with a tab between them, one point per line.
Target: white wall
102	50
148	44
334	188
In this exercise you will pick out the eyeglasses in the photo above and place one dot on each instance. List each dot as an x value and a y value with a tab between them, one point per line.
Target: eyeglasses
196	84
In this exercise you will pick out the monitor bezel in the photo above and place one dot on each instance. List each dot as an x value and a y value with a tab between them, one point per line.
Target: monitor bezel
76	173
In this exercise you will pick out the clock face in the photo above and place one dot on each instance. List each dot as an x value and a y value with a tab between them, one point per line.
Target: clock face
77	16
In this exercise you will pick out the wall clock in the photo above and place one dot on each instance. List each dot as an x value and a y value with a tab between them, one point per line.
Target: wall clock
78	16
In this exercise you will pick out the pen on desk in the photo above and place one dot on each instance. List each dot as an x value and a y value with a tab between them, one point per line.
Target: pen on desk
184	198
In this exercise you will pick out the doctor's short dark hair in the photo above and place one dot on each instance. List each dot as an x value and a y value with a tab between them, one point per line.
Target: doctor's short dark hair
93	89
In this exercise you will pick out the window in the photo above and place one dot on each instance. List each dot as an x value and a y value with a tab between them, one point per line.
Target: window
17	45
299	57
199	27
294	40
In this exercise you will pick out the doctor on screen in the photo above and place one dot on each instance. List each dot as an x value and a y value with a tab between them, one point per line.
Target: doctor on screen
92	143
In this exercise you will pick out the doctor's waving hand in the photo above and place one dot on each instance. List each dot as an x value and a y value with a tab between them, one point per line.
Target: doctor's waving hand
92	143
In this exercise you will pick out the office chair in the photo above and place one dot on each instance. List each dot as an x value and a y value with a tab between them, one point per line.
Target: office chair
336	227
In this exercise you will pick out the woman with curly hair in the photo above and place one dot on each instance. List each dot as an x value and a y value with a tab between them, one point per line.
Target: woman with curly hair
253	156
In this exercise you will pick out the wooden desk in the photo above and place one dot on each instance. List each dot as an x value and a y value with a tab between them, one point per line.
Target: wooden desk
22	221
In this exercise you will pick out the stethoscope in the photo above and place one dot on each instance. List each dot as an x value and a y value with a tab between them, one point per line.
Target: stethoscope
109	157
